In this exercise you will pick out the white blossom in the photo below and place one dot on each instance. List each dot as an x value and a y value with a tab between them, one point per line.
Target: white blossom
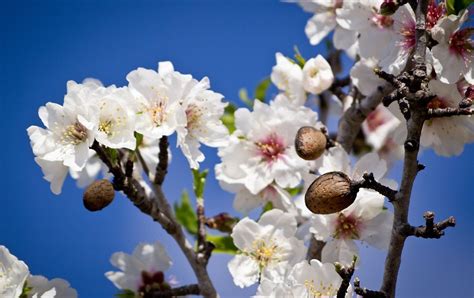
144	268
265	247
41	287
446	135
288	77
261	150
158	104
317	75
365	220
13	274
364	77
245	201
372	28
313	279
91	170
453	55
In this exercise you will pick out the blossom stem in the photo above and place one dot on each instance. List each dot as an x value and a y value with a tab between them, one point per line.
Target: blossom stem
448	112
162	166
370	182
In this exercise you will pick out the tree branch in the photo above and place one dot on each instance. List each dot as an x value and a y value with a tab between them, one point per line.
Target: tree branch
432	230
370	183
351	120
162	166
448	112
346	275
181	291
364	292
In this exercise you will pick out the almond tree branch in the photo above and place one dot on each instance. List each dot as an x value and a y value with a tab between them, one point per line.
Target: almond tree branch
158	208
431	230
448	112
181	291
370	182
351	120
364	292
162	166
346	275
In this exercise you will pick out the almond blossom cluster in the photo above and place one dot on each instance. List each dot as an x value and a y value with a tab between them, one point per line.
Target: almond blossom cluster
154	104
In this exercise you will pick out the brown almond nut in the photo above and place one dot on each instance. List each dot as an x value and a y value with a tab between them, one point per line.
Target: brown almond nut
98	195
330	193
310	143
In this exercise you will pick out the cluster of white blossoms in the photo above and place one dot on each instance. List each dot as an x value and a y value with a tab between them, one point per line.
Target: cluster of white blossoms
359	25
16	280
154	104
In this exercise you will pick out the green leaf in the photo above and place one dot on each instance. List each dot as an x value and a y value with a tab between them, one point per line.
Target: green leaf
455	6
112	154
185	214
223	244
139	139
295	190
126	294
228	118
26	290
267	207
299	58
199	181
244	96
261	89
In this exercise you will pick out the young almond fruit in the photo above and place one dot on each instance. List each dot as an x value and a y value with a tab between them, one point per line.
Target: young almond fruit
310	143
98	195
330	193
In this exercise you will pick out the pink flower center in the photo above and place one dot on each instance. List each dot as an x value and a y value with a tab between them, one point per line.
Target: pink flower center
461	45
151	281
347	227
375	119
271	148
435	12
193	116
437	103
382	21
408	33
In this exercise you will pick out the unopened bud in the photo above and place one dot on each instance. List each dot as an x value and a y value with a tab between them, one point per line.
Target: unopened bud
98	195
388	7
310	143
330	193
222	222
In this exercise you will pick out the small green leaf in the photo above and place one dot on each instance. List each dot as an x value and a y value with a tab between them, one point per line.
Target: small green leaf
223	244
299	58
456	6
25	291
185	214
267	207
295	190
244	96
228	118
261	89
138	138
126	294
199	181
112	154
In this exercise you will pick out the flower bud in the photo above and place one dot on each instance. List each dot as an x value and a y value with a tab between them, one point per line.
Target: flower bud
330	193
98	195
310	143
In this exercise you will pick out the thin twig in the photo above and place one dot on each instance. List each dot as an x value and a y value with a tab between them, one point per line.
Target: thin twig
364	292
181	291
346	275
162	166
448	112
432	230
370	182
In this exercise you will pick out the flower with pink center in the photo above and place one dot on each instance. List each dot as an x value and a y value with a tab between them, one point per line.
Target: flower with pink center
453	56
142	270
446	135
378	126
366	220
261	150
371	27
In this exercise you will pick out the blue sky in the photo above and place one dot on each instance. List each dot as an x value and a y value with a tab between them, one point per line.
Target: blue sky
47	43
